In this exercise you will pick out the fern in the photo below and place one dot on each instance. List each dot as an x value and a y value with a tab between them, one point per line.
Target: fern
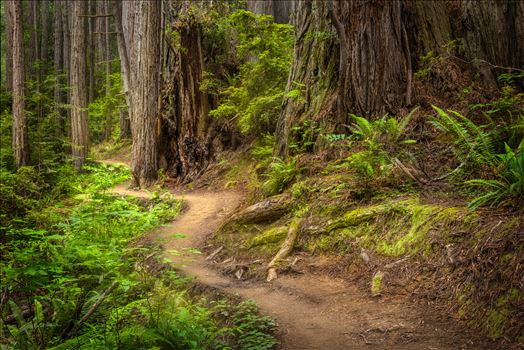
279	174
473	145
509	185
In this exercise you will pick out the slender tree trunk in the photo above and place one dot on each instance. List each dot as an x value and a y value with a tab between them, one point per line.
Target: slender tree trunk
8	49
107	57
90	38
44	41
20	136
125	123
58	58
144	165
79	130
66	22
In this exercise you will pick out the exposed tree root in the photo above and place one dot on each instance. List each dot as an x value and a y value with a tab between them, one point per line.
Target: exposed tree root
269	209
287	247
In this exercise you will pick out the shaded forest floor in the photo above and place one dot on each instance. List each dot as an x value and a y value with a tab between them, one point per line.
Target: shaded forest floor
312	310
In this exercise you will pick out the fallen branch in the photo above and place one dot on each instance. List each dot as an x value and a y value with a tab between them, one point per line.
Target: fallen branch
287	247
95	306
215	253
407	171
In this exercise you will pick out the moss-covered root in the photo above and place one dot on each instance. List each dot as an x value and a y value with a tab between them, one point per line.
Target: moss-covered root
284	251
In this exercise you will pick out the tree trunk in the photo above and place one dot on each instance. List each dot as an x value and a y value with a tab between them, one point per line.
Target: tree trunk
144	114
90	42
79	130
360	56
44	41
58	58
107	57
8	49
20	136
314	67
66	23
279	9
493	32
125	124
185	148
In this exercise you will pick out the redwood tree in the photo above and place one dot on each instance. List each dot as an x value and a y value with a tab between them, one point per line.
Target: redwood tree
20	136
79	130
360	56
145	89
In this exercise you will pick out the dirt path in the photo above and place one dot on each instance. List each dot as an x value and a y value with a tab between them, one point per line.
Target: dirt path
312	312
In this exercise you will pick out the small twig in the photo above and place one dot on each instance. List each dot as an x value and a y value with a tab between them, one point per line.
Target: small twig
450	173
402	167
215	253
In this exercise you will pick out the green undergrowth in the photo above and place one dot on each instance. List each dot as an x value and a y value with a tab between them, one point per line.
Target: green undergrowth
78	273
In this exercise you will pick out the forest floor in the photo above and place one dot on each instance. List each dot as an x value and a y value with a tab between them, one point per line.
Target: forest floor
312	311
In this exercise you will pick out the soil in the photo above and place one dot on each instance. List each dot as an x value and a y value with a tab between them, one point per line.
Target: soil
312	311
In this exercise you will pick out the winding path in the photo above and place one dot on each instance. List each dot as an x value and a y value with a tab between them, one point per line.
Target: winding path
312	312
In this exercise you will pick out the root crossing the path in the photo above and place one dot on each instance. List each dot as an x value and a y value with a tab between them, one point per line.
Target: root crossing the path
312	312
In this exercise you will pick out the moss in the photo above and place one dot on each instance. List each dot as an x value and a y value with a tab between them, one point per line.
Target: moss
393	228
273	235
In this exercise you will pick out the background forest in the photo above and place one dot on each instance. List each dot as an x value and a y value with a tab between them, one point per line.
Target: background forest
385	135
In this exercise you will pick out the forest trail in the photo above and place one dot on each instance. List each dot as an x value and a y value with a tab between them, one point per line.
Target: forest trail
312	312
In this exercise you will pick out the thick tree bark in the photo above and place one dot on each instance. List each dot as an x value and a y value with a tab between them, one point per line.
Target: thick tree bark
314	67
374	48
185	148
281	10
145	89
79	130
20	135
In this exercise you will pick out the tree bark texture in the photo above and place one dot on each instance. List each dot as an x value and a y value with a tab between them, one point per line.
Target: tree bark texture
125	123
58	58
186	138
8	48
281	10
20	135
145	89
44	38
79	129
66	22
375	46
313	68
